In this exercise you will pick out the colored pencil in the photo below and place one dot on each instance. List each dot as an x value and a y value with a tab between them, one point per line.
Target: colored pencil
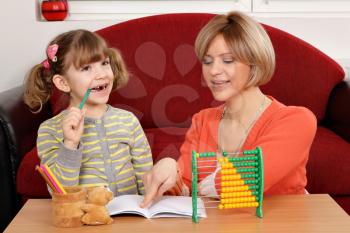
85	98
53	179
45	178
56	188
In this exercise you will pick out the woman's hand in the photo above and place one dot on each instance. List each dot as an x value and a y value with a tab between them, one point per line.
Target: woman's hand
210	185
73	127
161	178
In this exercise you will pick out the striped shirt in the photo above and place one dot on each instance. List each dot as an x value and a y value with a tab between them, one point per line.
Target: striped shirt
113	151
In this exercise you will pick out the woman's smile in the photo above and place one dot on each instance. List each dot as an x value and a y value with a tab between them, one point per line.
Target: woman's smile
218	85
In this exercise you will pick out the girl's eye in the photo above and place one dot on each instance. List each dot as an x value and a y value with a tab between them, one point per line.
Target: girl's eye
86	68
106	62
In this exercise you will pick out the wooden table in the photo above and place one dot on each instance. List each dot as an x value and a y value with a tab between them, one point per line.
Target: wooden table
293	213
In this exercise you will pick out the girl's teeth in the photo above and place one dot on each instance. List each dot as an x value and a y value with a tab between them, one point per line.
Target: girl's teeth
99	88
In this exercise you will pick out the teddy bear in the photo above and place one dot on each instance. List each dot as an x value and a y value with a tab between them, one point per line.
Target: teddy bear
95	209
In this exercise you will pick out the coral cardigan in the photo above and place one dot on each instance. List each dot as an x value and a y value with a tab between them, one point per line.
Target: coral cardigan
285	134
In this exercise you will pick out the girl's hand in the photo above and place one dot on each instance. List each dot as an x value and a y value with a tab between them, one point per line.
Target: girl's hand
73	127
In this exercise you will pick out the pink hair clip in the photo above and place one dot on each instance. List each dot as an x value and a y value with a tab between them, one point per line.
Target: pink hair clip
51	54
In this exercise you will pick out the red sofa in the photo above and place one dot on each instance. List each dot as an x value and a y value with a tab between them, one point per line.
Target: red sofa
166	89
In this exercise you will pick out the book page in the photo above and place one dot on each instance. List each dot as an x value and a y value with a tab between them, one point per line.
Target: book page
127	204
167	206
175	206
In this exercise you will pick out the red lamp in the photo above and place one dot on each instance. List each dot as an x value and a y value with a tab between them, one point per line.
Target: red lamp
54	10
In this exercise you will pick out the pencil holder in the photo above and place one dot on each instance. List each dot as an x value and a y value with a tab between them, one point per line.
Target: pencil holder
66	208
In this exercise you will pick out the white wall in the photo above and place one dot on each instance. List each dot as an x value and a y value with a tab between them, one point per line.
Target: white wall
23	39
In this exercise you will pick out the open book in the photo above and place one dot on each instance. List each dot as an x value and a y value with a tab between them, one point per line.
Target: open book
167	206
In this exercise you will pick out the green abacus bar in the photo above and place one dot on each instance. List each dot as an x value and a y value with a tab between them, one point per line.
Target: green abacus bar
207	154
238	205
238	183
230	171
238	176
238	194
251	152
246	164
239	188
240	159
238	199
251	181
249	176
242	170
194	188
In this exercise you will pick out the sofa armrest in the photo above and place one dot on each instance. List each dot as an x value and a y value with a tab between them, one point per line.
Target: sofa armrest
8	199
338	112
19	123
18	132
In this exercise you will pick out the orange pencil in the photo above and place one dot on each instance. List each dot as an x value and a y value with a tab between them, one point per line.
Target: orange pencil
54	180
45	178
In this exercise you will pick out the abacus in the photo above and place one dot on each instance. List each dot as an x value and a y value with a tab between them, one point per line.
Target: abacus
241	184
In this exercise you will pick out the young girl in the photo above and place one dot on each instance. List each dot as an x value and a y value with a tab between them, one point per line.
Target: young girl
98	144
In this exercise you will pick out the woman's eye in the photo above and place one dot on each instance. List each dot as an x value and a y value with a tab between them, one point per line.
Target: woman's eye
227	61
206	61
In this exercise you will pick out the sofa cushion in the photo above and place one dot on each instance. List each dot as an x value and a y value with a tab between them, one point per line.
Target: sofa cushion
166	89
164	142
329	165
29	182
304	76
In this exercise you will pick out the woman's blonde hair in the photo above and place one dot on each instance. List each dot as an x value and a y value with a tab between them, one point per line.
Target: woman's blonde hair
248	41
77	47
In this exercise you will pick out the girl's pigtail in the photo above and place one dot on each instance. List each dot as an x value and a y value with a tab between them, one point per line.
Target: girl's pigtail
121	74
38	87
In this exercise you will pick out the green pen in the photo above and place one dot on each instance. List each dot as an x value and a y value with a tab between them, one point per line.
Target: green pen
84	98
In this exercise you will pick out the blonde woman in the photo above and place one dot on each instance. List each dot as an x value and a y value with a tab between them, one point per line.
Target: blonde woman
237	57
